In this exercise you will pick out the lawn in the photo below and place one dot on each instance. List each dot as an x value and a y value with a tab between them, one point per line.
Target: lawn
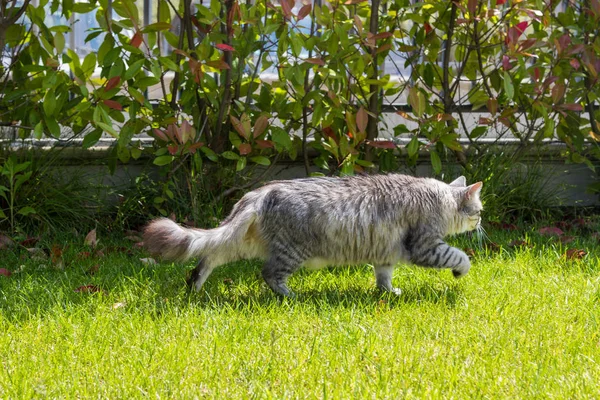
525	323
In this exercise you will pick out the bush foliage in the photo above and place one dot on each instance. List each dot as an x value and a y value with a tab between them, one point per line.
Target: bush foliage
234	79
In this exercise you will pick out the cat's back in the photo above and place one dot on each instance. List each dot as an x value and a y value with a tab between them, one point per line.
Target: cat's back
320	194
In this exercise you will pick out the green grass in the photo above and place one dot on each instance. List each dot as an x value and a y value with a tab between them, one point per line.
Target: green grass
525	323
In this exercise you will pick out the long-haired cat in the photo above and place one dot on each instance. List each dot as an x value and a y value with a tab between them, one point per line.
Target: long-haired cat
380	219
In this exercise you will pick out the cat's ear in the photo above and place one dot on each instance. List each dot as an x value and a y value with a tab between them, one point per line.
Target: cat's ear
461	181
474	190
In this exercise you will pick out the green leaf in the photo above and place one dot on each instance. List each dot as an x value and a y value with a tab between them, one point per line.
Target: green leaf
170	64
123	154
89	64
21	179
91	138
59	42
413	146
281	138
21	167
436	163
49	102
133	69
262	160
26	211
108	129
211	155
163	160
478	131
508	86
53	127
417	101
241	164
230	155
38	130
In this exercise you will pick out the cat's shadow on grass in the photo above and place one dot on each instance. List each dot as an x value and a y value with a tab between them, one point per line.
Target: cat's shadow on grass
249	290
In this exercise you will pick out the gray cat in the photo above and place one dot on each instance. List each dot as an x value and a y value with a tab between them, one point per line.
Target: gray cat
380	219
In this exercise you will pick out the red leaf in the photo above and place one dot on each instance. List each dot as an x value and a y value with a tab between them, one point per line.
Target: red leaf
218	64
575	254
304	11
160	135
245	148
515	32
192	149
264	144
286	9
575	63
570	107
350	2
362	119
550	231
260	125
173	149
115	105
137	39
381	144
224	47
316	61
382	35
506	65
112	83
239	127
5	272
428	28
521	26
500	2
472	7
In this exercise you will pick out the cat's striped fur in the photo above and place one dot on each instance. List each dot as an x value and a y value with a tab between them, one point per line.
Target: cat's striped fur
380	219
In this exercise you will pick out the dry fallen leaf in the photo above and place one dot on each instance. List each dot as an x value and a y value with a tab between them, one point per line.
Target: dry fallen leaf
93	269
148	261
90	239
118	305
519	243
470	252
567	239
575	254
550	231
37	254
492	246
30	241
5	242
88	289
56	257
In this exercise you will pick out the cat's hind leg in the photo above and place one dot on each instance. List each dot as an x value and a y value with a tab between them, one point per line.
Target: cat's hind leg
278	268
383	278
199	274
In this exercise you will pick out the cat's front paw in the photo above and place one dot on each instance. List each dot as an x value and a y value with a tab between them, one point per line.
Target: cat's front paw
463	267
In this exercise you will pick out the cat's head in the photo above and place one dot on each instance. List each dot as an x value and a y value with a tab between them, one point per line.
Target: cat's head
468	214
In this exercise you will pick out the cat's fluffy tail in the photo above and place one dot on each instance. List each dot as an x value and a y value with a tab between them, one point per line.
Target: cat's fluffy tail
171	241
